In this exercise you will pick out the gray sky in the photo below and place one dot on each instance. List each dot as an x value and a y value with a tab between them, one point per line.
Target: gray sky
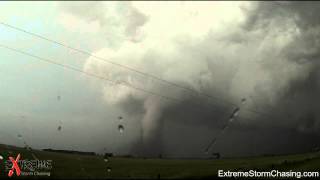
263	52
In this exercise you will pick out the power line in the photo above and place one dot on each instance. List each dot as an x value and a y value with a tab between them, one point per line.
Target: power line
132	69
114	63
92	74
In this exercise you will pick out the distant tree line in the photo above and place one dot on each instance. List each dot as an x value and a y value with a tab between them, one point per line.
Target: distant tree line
70	152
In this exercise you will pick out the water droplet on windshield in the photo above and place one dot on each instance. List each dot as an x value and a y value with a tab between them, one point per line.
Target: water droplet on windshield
243	100
120	117
106	159
235	112
109	169
1	158
121	128
225	127
59	128
58	98
19	136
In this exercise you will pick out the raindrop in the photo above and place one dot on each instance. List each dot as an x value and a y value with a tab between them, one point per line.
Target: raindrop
59	128
26	145
120	128
106	159
223	131
1	158
109	169
120	117
58	98
243	100
19	136
231	119
225	127
235	112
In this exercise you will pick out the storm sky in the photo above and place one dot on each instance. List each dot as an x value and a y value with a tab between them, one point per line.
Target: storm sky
260	57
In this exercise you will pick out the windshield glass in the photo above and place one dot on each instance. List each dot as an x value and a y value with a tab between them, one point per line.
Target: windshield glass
96	89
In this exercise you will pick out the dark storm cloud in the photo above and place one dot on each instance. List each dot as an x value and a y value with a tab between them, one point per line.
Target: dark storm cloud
298	105
303	50
271	59
304	15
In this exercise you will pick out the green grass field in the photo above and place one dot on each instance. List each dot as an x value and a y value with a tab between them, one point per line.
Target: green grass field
85	166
